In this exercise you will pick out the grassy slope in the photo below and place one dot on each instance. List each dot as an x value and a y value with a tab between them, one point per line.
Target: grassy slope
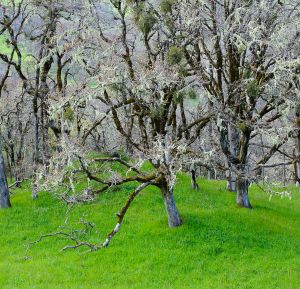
219	245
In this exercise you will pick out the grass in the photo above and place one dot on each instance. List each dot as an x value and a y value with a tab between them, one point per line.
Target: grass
7	50
219	245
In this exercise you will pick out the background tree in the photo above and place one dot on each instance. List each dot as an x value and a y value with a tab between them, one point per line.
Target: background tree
232	47
7	18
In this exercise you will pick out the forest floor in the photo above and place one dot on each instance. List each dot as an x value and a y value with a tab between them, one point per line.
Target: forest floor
218	246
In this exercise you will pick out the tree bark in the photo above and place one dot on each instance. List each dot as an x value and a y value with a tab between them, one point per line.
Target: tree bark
36	137
242	198
297	172
233	136
195	186
231	181
174	219
4	192
34	191
297	164
231	185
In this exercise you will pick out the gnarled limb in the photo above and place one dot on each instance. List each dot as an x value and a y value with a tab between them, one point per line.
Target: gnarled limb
133	168
88	226
121	215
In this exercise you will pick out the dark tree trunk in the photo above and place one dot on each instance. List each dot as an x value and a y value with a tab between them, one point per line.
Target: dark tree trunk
174	219
19	182
194	180
36	145
4	192
242	198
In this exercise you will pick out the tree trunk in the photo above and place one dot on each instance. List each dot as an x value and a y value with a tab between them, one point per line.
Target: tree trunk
242	198
44	127
18	173
34	191
231	181
174	219
8	161
233	135
36	142
211	174
194	180
231	185
4	192
297	173
297	165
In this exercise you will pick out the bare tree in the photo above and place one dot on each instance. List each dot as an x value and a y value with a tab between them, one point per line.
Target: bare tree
233	48
7	18
4	192
140	66
38	28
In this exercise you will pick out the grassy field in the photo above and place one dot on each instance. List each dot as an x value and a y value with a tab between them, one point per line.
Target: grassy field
219	245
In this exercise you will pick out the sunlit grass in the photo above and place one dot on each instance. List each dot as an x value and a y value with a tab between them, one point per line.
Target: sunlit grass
218	246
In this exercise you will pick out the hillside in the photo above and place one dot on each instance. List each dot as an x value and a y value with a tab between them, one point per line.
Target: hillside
219	245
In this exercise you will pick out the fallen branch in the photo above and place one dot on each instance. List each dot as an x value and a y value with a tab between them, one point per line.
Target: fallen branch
88	226
121	215
17	182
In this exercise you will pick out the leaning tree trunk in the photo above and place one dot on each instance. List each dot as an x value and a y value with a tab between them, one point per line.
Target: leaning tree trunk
174	219
4	192
242	186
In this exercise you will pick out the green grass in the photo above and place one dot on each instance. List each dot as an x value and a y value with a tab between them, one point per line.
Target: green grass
219	245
